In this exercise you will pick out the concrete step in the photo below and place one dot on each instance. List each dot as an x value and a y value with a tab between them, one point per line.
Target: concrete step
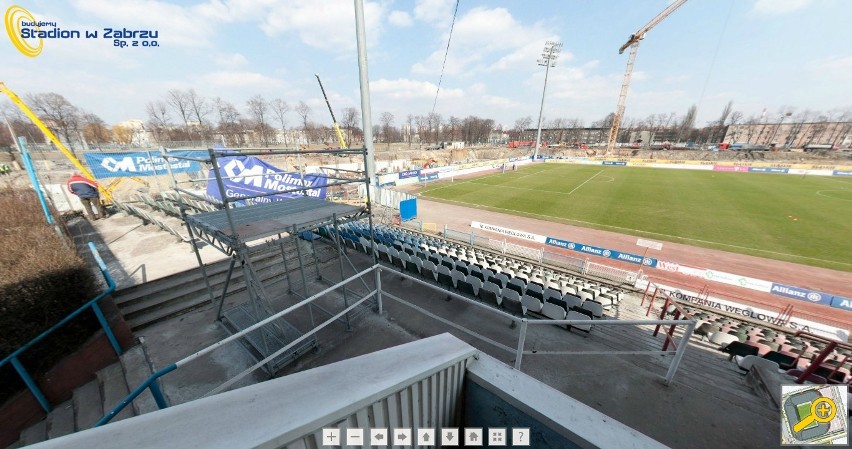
114	389
216	272
35	433
60	421
88	404
187	291
138	368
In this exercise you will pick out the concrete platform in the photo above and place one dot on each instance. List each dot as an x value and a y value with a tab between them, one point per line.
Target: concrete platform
708	406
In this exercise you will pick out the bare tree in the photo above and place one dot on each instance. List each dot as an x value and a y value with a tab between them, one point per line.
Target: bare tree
158	118
521	125
123	135
349	120
304	111
180	104
386	119
410	121
95	129
687	124
230	125
258	109
199	108
280	108
59	115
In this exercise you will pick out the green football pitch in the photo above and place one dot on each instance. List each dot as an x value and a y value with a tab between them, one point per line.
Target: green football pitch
802	219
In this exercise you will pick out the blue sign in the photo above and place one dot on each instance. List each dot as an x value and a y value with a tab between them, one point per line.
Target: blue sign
768	170
428	176
602	252
800	293
841	173
121	165
245	176
841	302
409	174
614	163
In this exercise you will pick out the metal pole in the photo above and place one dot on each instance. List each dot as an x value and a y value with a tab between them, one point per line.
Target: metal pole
378	272
681	349
28	164
364	79
521	338
552	50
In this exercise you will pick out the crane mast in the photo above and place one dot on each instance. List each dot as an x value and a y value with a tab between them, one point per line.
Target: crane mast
633	43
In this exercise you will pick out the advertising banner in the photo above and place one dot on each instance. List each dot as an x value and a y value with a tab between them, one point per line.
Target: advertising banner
602	252
409	174
767	170
841	173
840	302
121	165
754	313
726	278
508	232
621	163
729	168
248	176
428	176
801	293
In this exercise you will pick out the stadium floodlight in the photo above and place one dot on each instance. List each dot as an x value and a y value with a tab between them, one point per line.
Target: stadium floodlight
548	60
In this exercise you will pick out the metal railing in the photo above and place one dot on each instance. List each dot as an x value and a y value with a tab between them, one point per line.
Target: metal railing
14	360
524	322
151	382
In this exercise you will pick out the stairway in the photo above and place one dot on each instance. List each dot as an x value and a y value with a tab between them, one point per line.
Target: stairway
154	301
91	401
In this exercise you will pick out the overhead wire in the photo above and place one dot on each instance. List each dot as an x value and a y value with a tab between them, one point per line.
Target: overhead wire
446	52
713	59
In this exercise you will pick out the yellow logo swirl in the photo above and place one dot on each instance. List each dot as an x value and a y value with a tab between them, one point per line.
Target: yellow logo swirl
15	15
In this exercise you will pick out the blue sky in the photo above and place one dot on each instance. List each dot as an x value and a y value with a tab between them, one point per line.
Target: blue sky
769	54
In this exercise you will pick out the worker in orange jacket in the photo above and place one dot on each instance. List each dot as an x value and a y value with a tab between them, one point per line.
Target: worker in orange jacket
87	191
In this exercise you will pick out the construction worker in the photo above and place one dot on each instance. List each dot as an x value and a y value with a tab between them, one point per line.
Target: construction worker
87	191
5	169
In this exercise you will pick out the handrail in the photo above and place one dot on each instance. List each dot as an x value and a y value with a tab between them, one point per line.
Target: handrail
817	361
151	381
93	303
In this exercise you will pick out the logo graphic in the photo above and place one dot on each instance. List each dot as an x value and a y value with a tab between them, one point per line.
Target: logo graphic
814	296
813	414
15	19
607	253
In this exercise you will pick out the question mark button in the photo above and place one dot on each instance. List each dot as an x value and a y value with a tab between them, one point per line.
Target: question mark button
520	436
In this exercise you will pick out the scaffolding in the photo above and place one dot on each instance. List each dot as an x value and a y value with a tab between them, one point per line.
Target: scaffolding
269	235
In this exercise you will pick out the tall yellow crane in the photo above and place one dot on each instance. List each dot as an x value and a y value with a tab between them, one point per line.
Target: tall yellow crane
47	132
333	120
633	43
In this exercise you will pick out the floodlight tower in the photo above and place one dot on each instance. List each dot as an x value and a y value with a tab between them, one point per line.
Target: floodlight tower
548	60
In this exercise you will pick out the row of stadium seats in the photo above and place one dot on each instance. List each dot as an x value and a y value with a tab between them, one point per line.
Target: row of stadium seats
149	217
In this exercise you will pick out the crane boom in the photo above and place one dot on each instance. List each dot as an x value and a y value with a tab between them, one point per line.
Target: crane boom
633	43
47	132
333	120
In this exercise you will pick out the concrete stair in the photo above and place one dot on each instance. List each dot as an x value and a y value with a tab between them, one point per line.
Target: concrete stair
145	304
91	401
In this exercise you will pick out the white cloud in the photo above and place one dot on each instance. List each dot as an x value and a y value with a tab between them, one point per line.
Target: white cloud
439	12
241	79
776	7
176	25
404	88
482	35
501	102
400	19
328	24
231	61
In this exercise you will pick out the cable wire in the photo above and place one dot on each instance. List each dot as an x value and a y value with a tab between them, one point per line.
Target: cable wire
447	52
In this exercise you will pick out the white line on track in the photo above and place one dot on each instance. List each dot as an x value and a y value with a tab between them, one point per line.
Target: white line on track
525	213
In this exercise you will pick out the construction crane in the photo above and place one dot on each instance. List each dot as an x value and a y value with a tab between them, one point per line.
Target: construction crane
333	120
633	43
47	132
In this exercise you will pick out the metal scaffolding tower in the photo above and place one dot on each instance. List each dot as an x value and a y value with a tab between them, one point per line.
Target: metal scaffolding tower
269	235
